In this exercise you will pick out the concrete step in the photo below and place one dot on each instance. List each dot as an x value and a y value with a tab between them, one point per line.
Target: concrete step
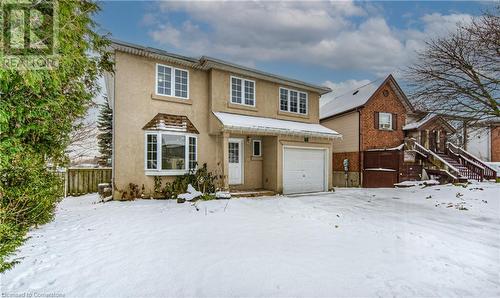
251	193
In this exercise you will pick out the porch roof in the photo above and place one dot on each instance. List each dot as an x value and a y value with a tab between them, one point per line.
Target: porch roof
243	123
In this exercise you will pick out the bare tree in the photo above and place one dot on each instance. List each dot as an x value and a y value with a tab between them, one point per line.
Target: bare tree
458	75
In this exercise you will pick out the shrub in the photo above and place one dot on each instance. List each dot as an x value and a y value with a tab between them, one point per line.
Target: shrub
28	194
201	179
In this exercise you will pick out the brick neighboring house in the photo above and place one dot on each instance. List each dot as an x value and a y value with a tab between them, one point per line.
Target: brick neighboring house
370	117
386	141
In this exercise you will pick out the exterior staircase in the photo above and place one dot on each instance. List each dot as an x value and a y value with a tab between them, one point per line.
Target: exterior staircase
455	162
462	169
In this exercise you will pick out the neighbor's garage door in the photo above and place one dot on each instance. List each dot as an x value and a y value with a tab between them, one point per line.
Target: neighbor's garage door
304	170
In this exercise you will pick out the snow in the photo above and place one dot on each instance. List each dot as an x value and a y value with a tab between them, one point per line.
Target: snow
349	100
191	194
266	125
388	149
415	183
419	123
352	242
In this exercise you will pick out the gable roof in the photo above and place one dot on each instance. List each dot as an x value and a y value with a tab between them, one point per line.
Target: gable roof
430	117
168	122
206	63
358	97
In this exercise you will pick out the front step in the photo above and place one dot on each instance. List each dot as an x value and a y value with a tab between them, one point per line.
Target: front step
252	193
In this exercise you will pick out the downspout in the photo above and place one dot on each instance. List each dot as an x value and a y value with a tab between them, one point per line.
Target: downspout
359	149
113	137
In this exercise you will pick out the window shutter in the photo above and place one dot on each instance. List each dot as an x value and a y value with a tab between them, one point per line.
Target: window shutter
394	121
375	119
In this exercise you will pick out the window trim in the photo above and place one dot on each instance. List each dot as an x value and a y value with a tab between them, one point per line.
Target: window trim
289	103
253	148
379	122
242	91
158	171
172	81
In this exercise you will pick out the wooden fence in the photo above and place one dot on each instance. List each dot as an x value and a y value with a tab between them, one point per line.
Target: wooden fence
80	181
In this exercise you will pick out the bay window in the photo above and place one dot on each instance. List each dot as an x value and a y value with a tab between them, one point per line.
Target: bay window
293	101
171	81
170	153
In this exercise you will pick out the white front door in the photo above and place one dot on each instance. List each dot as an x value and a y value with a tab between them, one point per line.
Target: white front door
304	170
236	161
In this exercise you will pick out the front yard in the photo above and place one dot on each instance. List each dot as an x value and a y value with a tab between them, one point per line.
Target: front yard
354	242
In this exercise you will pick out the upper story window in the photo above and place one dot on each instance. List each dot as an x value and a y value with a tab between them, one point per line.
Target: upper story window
242	91
384	120
171	81
293	101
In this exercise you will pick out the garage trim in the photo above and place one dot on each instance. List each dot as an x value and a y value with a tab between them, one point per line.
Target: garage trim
326	161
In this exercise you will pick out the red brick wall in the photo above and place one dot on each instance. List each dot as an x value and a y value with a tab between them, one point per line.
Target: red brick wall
371	137
495	143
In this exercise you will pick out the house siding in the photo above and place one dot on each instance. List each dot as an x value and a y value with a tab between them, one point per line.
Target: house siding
135	104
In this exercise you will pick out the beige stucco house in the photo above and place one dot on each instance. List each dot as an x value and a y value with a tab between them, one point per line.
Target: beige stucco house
257	130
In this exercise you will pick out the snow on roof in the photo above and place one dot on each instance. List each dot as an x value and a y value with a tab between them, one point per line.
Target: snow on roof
270	125
419	123
349	100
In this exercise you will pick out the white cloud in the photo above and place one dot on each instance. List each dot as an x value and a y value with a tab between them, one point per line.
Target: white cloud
320	33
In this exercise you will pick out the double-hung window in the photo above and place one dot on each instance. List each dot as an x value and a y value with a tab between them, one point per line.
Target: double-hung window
171	81
242	91
169	153
293	101
384	120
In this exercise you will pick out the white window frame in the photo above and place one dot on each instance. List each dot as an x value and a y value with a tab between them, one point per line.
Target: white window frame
380	114
172	81
288	101
158	171
260	148
242	91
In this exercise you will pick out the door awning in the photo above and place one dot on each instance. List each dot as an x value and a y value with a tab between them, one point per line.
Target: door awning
253	124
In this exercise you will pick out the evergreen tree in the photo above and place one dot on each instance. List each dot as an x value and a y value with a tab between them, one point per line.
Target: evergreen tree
38	108
105	136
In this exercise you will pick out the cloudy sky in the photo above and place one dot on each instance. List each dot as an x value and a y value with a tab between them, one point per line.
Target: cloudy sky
340	44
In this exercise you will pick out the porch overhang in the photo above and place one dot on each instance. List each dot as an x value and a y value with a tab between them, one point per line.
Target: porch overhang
269	126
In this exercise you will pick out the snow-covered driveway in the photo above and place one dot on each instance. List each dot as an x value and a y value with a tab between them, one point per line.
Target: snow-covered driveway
354	242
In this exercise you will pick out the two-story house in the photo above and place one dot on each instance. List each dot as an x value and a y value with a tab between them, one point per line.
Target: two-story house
257	130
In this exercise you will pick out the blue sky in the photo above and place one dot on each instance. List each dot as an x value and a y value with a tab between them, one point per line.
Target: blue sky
338	44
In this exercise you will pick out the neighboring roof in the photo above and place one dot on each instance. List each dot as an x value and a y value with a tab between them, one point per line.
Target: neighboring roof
349	101
206	63
427	119
419	123
358	97
169	122
234	122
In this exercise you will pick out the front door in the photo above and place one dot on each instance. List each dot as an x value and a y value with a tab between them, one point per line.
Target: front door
235	161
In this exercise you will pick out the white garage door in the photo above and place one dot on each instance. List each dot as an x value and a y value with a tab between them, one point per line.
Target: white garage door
304	170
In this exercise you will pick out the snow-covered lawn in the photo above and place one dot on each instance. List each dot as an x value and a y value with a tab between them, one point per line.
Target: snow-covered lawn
354	242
